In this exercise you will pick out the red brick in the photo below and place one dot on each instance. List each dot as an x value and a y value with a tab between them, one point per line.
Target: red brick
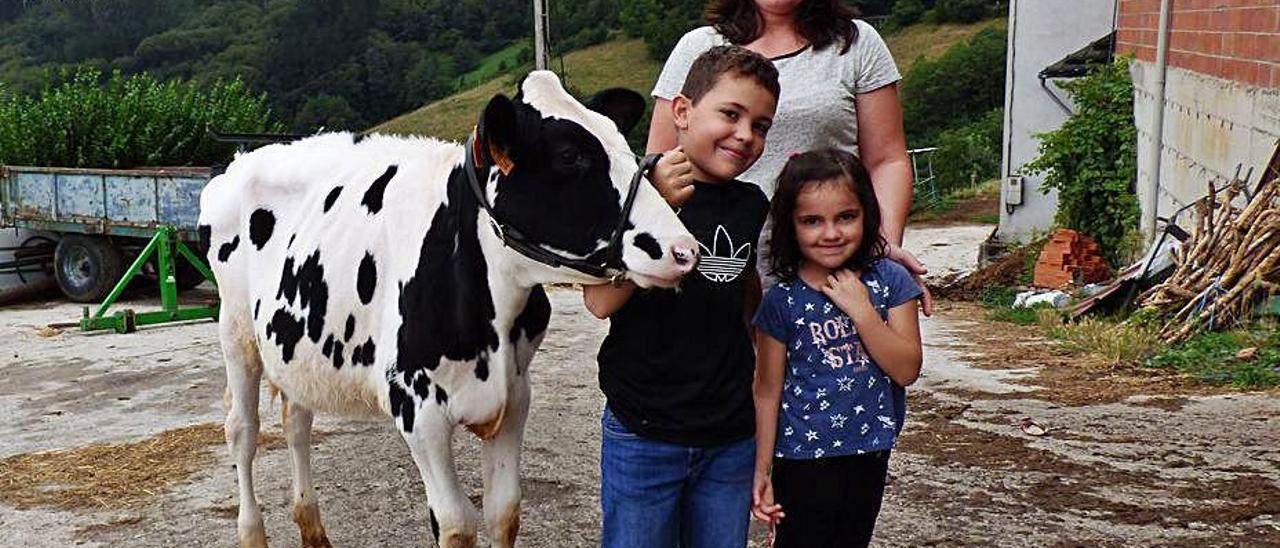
1261	75
1213	43
1218	20
1235	20
1269	47
1233	44
1182	40
1213	65
1259	19
1237	70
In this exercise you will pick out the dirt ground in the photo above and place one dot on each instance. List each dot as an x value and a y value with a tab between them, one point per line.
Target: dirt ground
1129	459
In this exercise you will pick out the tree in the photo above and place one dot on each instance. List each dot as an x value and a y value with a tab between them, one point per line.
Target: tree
1092	159
964	83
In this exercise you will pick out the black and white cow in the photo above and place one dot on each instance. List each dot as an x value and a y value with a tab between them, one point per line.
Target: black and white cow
366	278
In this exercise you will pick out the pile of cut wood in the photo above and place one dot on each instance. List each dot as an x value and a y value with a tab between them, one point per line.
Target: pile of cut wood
1230	262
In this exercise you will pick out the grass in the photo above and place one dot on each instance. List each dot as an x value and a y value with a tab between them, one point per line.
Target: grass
930	40
619	63
945	204
1211	356
495	64
1119	343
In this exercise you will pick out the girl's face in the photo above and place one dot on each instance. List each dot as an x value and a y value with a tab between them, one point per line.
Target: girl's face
828	220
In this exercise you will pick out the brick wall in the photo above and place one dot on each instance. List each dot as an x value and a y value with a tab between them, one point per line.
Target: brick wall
1237	40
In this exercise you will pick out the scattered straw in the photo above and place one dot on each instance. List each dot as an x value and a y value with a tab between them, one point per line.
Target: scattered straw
111	476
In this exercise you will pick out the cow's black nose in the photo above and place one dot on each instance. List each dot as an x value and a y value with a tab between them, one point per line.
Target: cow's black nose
684	257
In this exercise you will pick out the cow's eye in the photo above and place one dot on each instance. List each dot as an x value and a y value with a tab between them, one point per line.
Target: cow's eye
569	157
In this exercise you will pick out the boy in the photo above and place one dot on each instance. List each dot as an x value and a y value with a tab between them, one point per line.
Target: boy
676	458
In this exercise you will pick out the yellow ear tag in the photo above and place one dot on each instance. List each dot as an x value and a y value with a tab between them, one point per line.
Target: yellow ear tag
504	162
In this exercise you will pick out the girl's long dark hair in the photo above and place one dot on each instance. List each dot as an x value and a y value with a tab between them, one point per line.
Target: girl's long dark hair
821	167
821	22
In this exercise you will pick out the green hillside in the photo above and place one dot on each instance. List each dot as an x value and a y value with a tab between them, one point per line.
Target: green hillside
929	40
624	63
627	63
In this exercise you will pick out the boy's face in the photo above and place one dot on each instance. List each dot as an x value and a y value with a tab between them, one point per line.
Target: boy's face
723	133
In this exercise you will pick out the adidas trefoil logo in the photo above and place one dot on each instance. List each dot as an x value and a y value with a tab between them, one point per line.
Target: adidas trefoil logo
723	263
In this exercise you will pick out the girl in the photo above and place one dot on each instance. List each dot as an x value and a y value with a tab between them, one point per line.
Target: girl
837	341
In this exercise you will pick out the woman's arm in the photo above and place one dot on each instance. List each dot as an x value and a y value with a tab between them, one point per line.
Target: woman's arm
662	128
771	357
894	345
605	299
883	147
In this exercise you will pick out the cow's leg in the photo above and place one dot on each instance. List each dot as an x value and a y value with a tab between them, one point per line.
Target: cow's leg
306	507
453	518
502	470
244	375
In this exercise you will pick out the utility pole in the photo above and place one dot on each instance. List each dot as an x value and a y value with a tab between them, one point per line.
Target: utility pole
540	34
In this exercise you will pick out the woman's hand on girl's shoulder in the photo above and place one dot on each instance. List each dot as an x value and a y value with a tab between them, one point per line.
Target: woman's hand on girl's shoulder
917	271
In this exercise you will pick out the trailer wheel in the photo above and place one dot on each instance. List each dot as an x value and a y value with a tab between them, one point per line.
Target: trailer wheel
87	268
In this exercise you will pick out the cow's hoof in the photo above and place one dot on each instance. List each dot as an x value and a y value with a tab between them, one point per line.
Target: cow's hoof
307	516
253	537
321	541
457	541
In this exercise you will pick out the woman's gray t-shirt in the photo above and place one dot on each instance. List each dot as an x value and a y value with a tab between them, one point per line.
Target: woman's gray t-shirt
817	107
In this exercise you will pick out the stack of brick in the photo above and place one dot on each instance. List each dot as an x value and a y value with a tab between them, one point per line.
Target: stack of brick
1069	257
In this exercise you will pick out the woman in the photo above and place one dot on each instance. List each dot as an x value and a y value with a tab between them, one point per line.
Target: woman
839	90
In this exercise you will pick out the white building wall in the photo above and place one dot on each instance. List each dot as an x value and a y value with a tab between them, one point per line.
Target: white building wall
1211	127
1041	32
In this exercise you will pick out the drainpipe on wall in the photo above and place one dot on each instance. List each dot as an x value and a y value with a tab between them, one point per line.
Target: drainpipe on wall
1157	123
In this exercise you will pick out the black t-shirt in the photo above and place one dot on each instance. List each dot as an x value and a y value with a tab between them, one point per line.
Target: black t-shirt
677	365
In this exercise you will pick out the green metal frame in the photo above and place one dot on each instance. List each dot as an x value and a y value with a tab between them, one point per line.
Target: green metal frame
165	245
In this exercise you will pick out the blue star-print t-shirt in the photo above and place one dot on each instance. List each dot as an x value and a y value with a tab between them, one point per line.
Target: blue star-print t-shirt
835	400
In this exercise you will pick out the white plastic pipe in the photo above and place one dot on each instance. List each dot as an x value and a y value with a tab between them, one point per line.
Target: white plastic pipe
1156	149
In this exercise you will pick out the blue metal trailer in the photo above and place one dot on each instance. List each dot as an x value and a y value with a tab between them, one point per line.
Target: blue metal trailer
106	218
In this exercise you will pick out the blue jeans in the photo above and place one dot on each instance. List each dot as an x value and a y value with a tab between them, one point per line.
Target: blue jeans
664	495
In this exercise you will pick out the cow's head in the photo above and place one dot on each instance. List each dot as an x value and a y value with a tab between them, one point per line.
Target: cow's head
564	174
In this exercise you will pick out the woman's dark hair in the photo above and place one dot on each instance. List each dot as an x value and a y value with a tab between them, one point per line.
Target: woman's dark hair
821	22
821	167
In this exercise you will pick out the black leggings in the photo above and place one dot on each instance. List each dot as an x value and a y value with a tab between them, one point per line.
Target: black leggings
830	501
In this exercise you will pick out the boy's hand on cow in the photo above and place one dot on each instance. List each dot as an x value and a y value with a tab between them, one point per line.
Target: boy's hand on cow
673	177
845	288
762	505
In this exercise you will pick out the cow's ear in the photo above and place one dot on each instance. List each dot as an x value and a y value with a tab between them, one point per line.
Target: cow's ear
623	106
496	133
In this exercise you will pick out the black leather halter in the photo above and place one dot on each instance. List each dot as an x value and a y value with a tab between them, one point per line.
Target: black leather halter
610	264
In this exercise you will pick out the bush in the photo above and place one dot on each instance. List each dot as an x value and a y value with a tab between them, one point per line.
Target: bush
126	122
962	85
962	11
660	23
1092	160
969	154
906	12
